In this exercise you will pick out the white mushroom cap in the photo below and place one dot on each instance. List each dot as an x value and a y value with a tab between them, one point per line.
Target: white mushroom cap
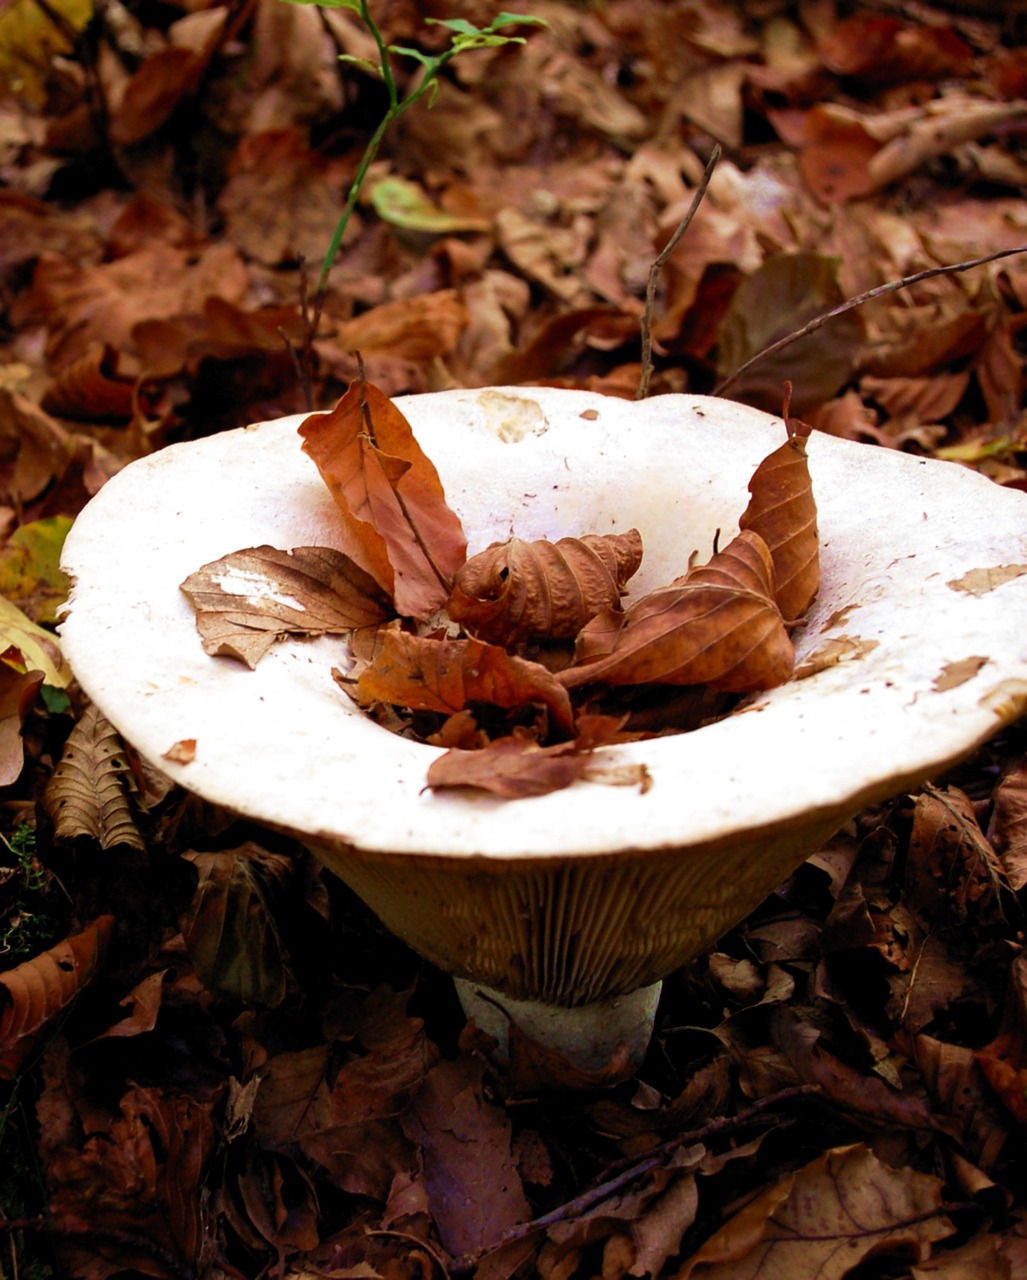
599	888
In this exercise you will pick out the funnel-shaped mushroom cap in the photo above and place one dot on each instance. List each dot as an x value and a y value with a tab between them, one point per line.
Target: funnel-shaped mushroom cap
600	888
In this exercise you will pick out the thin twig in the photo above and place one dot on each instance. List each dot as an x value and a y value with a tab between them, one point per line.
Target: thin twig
657	267
628	1172
879	292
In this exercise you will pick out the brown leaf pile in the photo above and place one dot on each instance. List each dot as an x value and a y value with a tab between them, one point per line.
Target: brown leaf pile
723	625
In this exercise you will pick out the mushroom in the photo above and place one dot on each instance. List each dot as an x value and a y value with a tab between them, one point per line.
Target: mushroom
562	913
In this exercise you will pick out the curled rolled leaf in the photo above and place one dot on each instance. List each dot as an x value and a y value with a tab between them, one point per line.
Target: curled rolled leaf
782	511
516	591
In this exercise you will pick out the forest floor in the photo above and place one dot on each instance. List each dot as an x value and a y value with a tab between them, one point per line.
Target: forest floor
839	1088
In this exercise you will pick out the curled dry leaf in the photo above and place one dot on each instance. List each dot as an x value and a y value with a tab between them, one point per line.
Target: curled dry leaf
87	794
516	591
783	512
247	600
397	525
92	388
35	992
230	929
516	766
445	675
719	625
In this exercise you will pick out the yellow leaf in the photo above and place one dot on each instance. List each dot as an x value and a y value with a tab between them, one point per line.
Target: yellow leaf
29	39
37	649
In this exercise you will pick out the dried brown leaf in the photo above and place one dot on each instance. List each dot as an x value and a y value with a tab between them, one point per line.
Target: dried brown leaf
230	929
515	591
786	292
281	199
103	303
445	675
163	79
34	993
362	1143
516	766
139	1180
954	875
474	1187
1004	1060
824	1219
880	50
1007	830
248	600
782	510
718	625
17	693
87	795
92	388
397	525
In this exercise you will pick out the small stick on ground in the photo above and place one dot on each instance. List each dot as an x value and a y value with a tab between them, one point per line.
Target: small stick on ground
879	292
657	267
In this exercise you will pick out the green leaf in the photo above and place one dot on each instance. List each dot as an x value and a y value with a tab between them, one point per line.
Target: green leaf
430	64
404	204
510	19
364	63
456	24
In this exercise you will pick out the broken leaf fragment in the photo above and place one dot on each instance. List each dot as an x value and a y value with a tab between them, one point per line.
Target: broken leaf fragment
515	591
249	599
396	524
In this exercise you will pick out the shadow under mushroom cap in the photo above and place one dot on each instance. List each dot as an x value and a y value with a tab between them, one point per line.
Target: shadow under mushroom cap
923	595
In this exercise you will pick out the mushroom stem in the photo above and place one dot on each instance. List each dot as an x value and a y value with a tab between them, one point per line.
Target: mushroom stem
608	1037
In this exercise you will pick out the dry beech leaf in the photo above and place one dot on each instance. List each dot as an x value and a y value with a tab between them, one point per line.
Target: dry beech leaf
445	675
516	766
717	626
824	1219
783	512
247	600
516	591
87	794
397	525
35	992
